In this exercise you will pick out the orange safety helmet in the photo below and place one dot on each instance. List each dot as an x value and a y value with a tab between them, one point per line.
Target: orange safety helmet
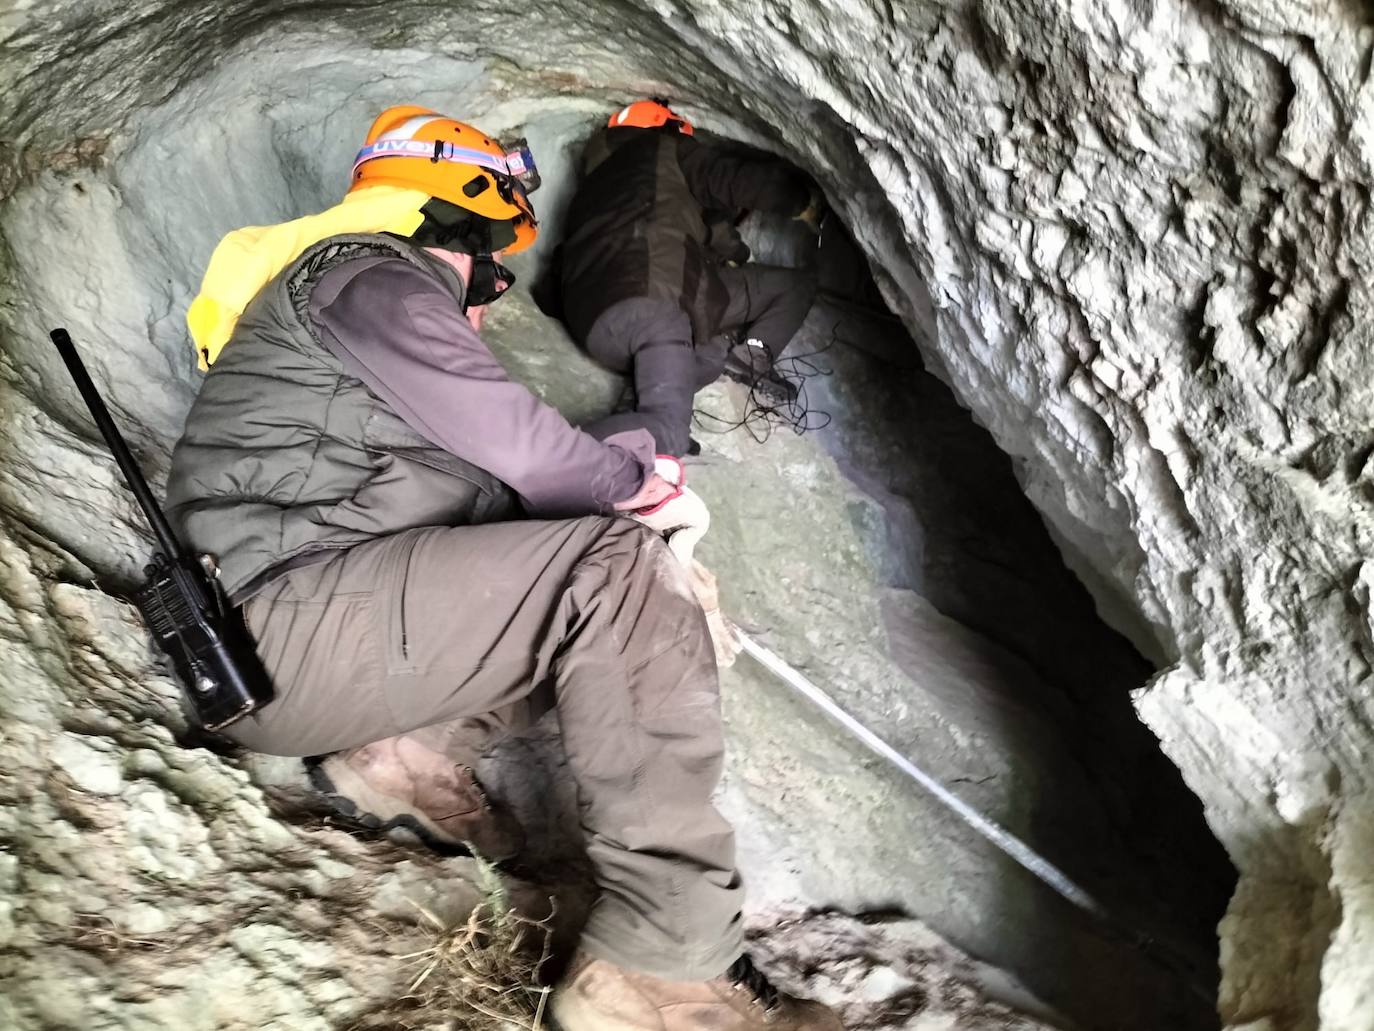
648	114
417	149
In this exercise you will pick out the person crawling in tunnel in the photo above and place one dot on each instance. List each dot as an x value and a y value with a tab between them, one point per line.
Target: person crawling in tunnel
655	279
416	543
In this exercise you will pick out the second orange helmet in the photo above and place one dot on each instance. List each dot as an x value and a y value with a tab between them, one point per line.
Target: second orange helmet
648	114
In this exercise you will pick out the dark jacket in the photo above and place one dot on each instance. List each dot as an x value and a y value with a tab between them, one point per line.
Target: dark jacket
354	401
638	224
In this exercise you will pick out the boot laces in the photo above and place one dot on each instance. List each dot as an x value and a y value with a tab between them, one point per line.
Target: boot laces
750	978
468	778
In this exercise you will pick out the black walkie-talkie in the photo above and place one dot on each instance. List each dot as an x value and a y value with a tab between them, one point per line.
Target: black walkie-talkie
181	600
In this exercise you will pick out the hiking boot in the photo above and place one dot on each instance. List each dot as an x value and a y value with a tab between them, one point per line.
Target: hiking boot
751	363
599	996
747	360
772	386
398	783
776	388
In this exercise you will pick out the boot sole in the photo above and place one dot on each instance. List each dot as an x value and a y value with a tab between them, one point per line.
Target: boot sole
761	386
374	811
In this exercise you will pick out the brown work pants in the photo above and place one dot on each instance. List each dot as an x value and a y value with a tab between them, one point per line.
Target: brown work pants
448	623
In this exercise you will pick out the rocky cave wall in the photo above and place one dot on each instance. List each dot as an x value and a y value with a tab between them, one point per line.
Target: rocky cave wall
1131	235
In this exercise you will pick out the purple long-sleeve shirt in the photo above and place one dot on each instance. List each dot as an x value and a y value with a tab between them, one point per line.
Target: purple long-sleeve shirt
399	330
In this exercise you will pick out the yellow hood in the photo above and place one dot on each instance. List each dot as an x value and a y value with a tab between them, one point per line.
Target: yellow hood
248	259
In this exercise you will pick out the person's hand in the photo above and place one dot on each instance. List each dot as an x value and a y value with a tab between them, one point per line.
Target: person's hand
655	491
679	515
662	485
682	520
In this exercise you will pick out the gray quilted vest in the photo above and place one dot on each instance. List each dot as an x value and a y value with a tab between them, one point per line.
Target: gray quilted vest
286	458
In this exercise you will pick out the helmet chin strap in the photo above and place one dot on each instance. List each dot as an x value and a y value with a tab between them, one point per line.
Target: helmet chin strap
487	282
456	229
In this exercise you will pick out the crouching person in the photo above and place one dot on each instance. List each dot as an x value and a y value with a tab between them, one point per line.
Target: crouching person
657	284
359	463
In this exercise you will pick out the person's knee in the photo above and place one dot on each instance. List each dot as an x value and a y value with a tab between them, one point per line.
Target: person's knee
626	538
624	548
595	529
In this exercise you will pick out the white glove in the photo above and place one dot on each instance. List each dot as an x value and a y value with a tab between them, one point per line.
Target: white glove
682	518
723	637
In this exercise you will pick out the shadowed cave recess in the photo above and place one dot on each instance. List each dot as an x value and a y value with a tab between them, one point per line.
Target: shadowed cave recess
1082	536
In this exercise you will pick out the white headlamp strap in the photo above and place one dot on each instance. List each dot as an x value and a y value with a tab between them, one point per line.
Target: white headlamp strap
431	150
400	142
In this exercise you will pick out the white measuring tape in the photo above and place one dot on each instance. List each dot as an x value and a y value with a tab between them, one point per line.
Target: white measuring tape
997	835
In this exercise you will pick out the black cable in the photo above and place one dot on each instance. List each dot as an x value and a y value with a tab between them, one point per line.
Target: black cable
764	411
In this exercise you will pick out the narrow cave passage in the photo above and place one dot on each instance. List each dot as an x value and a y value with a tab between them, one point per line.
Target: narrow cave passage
890	553
1002	644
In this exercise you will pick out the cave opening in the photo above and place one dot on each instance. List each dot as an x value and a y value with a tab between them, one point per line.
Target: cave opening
891	553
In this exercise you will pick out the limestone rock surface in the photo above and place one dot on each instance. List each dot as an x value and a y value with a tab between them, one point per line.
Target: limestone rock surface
1133	237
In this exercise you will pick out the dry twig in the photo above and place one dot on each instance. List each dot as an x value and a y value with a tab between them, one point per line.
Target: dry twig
485	970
